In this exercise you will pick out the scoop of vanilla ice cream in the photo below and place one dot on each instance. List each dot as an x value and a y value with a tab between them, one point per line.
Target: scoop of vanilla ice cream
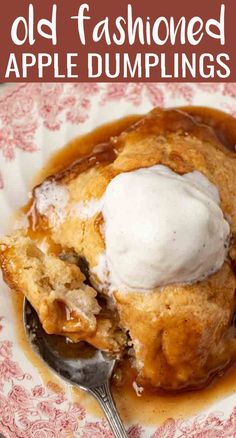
162	228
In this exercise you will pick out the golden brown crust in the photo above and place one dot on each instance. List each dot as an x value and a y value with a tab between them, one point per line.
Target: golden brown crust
181	333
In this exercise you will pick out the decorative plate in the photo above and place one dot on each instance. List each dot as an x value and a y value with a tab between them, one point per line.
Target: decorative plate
36	120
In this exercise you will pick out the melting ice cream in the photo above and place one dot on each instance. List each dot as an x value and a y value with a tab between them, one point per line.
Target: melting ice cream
162	228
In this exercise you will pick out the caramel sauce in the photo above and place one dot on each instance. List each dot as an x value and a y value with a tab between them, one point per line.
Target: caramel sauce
153	407
82	147
223	124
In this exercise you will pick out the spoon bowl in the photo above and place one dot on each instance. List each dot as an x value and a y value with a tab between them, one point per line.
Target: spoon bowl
88	368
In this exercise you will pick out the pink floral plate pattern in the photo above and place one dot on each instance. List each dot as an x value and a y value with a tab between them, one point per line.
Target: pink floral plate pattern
35	121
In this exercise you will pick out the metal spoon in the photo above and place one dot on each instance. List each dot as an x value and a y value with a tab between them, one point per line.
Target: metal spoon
92	372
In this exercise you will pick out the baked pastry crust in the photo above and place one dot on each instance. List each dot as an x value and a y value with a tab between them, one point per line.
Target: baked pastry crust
179	334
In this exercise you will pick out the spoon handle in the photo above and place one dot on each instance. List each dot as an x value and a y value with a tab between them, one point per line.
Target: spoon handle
103	395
